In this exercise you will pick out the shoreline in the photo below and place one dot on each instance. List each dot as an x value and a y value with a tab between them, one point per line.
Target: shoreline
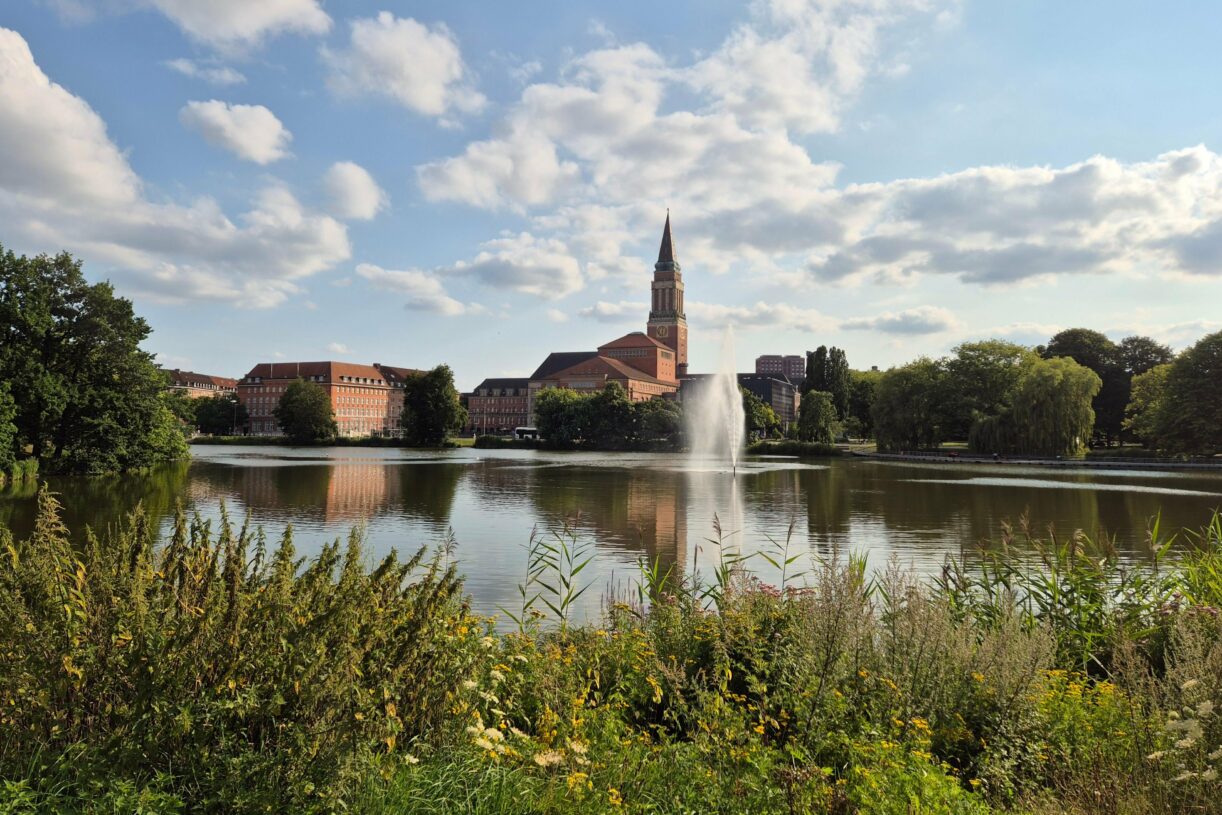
1148	464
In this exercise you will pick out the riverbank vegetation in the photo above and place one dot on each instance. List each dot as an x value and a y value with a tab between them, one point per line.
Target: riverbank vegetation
215	672
77	394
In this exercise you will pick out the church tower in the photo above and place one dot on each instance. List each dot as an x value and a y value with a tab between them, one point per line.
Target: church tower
667	323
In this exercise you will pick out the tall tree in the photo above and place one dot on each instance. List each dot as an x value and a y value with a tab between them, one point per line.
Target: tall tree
305	414
816	370
1052	411
658	421
839	382
1101	355
88	399
980	379
560	416
907	410
817	418
1190	418
432	410
1140	354
8	430
861	403
220	415
759	417
1146	404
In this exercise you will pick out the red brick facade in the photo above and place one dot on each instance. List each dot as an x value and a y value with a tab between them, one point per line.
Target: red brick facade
199	386
498	406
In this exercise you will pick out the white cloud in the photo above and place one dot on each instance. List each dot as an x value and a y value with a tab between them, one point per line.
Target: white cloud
65	185
338	348
424	291
557	316
919	320
419	67
354	194
623	311
237	24
214	74
523	263
250	132
760	315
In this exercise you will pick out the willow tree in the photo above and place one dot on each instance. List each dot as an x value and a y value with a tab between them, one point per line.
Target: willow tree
907	407
1145	404
1051	408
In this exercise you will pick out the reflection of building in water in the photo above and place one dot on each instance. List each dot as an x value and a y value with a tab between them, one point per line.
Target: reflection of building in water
360	490
656	511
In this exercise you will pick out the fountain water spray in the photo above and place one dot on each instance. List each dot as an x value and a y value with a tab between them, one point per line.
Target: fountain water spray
715	420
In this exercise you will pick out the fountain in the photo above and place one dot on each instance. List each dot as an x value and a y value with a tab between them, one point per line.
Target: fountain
715	421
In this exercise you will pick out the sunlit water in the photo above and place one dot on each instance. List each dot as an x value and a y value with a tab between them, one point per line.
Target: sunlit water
633	506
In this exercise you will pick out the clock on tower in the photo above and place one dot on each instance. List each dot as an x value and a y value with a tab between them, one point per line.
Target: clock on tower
667	323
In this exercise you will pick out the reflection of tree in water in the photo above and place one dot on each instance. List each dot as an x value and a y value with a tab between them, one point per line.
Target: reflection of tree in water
98	502
427	491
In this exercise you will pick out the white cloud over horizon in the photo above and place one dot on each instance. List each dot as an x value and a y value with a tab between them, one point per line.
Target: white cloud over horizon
250	132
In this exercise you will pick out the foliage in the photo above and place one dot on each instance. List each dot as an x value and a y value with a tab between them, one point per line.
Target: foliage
1146	404
1051	413
87	398
1190	414
817	418
304	413
8	430
907	407
1140	354
220	415
759	417
253	683
862	385
606	420
790	447
1095	351
560	416
980	380
816	370
432	411
827	370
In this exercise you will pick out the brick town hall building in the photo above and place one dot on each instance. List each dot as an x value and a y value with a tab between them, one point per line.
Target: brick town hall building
648	365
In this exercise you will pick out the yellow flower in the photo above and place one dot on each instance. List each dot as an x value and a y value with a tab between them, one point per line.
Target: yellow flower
759	728
613	797
979	677
578	781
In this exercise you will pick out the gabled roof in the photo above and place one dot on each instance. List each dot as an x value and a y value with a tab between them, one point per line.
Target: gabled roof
559	360
395	374
608	368
329	371
503	382
637	339
187	379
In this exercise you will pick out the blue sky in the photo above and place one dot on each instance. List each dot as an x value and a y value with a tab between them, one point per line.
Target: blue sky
481	183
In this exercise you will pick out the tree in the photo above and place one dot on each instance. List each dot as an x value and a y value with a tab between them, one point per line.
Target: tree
861	403
182	406
1190	417
816	370
8	430
220	415
560	416
906	410
610	419
839	382
1101	355
87	398
305	414
1140	354
432	410
758	416
980	379
1052	407
817	418
1146	404
658	421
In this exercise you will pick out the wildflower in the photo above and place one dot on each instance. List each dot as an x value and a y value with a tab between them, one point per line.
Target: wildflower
759	728
408	758
496	675
1209	775
1206	708
492	734
577	781
614	798
1185	776
920	724
577	747
1184	744
977	676
515	731
1216	754
487	642
1155	756
469	684
1190	684
485	744
549	758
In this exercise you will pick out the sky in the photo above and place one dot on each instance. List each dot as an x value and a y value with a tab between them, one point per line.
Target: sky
481	183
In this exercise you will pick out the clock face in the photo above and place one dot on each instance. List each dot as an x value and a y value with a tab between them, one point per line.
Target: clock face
661	331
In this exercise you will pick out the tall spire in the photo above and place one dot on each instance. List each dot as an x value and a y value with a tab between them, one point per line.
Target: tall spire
666	252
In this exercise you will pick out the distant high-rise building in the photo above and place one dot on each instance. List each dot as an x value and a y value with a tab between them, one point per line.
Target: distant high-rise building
792	366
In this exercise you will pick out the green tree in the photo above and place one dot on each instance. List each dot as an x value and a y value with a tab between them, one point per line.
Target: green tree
305	414
980	380
1140	354
432	410
1095	351
839	381
659	421
816	370
1146	404
8	430
1190	418
817	418
87	398
759	418
1050	414
560	416
907	412
182	406
861	403
220	415
610	420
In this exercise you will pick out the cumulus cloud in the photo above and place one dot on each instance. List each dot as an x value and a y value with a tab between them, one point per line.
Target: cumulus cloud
354	194
251	132
623	311
417	66
237	24
424	292
759	315
65	184
540	267
919	320
214	74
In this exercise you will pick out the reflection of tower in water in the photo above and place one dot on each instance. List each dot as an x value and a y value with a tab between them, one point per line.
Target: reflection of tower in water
656	509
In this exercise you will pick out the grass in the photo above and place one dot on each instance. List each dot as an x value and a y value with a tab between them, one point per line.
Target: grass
217	672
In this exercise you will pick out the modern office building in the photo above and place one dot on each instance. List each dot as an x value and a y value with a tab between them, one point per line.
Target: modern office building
792	366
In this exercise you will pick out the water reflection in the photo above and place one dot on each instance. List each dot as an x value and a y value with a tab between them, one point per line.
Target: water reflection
629	506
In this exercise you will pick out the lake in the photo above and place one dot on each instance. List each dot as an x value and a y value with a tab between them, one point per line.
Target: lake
628	506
